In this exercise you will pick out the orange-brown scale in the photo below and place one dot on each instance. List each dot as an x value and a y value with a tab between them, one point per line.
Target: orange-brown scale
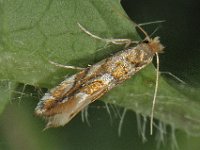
99	94
56	93
119	71
92	87
59	92
135	59
48	103
79	80
54	106
60	108
89	89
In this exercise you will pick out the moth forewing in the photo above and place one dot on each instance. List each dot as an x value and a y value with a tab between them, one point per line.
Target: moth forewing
63	102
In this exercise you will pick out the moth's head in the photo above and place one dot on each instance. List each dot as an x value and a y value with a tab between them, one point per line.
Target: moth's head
155	45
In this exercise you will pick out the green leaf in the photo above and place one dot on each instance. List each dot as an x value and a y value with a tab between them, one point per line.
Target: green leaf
6	89
34	32
49	31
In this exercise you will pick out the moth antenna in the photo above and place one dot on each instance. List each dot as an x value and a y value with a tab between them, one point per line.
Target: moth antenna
151	22
173	76
155	94
138	25
143	31
156	29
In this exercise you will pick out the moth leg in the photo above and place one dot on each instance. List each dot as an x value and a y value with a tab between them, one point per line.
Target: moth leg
174	76
66	67
125	42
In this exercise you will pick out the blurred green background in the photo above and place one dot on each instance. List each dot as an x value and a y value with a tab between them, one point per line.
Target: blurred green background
20	129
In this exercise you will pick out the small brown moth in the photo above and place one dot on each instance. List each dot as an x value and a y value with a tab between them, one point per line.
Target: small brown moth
64	101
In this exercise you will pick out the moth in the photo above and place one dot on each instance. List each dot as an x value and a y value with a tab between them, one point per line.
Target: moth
63	102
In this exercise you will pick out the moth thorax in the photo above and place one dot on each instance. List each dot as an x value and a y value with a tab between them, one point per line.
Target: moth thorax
155	45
